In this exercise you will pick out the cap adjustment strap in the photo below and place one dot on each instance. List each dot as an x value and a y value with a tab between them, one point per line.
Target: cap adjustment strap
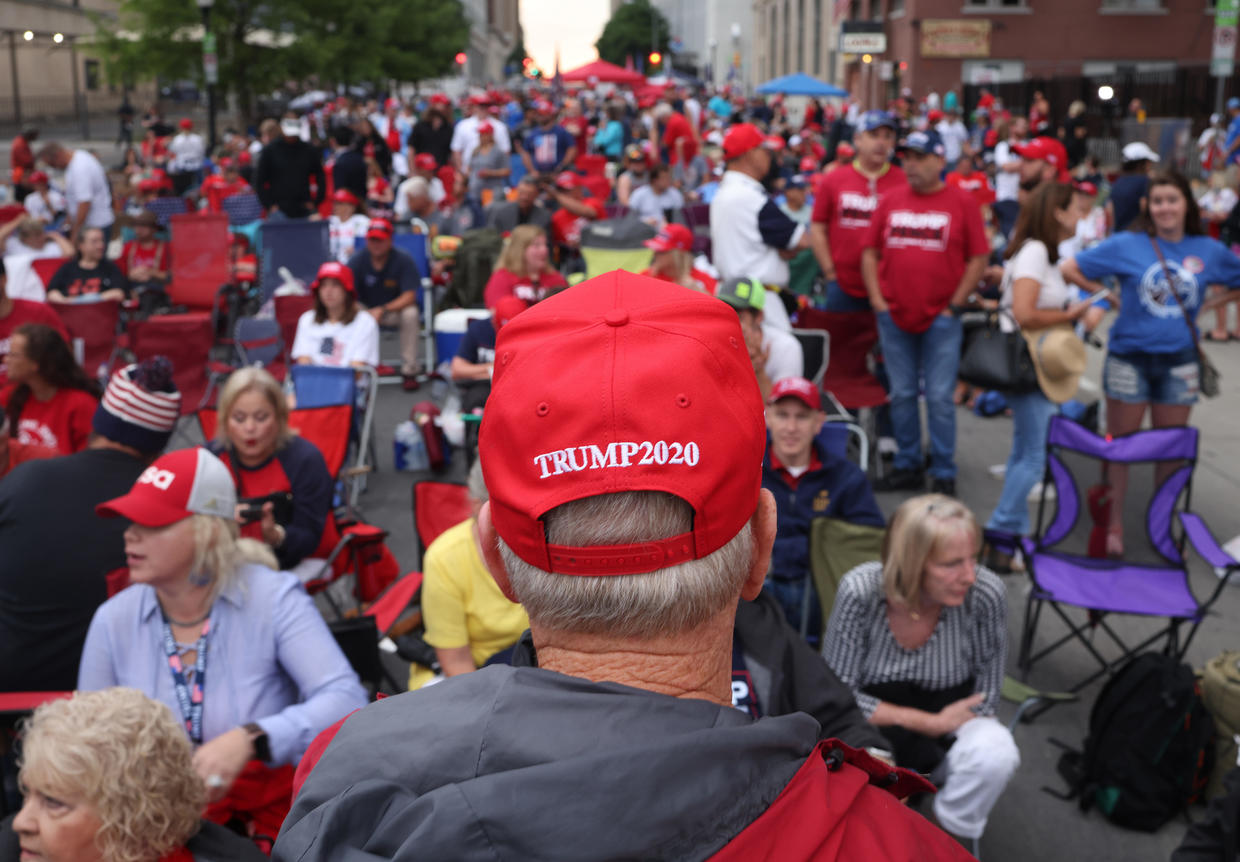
635	559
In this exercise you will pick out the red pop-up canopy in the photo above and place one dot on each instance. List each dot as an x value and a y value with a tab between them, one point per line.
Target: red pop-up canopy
604	72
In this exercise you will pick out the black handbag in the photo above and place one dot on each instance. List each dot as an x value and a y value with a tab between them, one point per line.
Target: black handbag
998	360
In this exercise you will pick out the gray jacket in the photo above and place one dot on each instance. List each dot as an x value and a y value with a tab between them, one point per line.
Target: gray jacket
524	763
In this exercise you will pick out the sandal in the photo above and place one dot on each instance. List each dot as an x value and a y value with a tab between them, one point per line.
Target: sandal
1213	336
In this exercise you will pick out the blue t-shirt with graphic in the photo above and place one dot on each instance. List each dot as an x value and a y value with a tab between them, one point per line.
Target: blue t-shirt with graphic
1150	320
548	147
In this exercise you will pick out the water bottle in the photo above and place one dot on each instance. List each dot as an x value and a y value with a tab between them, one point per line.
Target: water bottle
409	449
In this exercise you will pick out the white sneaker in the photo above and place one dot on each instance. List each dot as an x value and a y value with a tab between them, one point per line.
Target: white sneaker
1035	494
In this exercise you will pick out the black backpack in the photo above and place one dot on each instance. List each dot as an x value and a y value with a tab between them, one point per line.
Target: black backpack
1149	749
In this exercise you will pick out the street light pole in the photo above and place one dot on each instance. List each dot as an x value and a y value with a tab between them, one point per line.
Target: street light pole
210	69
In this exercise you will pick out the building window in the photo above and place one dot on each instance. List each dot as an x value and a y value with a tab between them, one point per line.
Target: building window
897	7
817	37
1134	5
91	68
998	4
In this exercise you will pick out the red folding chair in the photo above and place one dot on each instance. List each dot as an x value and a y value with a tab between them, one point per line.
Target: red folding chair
186	340
45	268
201	271
848	380
15	703
96	325
436	507
328	429
591	164
597	185
289	310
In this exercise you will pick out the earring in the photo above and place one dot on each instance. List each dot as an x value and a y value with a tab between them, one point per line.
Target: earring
199	579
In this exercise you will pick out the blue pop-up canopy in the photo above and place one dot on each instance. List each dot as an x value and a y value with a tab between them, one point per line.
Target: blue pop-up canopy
800	84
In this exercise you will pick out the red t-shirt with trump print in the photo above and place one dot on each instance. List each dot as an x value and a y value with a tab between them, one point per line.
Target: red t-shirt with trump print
924	243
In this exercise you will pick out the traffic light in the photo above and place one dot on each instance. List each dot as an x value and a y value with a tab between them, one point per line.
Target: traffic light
655	58
461	58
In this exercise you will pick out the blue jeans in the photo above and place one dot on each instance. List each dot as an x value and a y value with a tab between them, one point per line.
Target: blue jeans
838	300
917	360
1031	416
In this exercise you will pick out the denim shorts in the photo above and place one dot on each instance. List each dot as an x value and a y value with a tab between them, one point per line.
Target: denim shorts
1155	378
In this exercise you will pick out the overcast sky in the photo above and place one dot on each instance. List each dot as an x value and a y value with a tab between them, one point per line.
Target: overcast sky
574	26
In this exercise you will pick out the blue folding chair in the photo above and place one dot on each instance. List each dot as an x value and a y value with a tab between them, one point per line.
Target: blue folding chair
245	216
299	246
415	245
323	386
242	209
836	437
166	208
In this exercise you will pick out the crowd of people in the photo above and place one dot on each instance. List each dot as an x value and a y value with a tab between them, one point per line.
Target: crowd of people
638	590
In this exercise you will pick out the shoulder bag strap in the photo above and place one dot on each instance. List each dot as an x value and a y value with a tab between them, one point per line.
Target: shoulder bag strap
1175	294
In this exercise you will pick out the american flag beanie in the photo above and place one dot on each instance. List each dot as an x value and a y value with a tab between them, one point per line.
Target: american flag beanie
140	407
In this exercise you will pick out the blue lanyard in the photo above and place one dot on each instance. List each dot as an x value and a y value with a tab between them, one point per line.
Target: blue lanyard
189	698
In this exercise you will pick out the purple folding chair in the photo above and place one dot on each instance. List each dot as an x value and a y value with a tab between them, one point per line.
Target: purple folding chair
1152	578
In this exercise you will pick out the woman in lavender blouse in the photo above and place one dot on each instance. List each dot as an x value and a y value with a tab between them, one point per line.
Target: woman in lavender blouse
236	649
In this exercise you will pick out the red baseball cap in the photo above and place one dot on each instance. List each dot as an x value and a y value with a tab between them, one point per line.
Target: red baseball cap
740	139
1085	187
809	164
486	128
566	180
775	142
344	196
379	227
440	99
1049	150
37	177
149	185
582	404
186	123
179	484
845	150
425	162
798	388
338	271
672	236
244	157
506	309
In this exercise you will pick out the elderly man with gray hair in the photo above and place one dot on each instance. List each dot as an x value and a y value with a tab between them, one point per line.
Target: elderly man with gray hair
626	514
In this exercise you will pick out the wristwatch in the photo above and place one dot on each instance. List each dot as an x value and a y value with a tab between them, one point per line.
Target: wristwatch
258	738
957	310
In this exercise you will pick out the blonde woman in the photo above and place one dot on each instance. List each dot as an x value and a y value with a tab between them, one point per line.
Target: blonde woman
524	268
281	479
236	650
921	638
108	777
673	259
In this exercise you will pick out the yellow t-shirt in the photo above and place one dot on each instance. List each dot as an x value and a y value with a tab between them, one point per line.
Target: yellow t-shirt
461	603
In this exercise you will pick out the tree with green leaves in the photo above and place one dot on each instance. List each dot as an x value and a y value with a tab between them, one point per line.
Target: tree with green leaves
266	44
628	33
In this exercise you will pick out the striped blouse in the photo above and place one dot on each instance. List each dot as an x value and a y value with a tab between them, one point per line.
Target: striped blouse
969	641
